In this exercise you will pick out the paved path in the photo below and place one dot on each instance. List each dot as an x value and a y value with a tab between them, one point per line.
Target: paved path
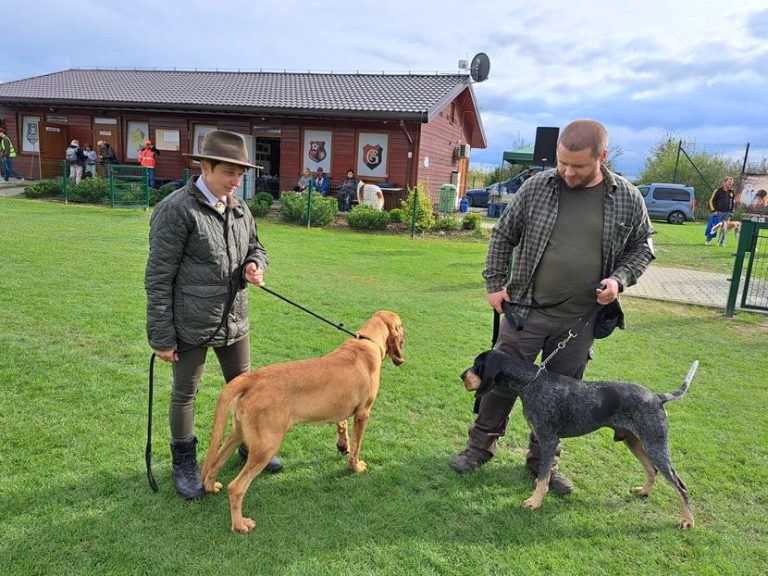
658	283
681	285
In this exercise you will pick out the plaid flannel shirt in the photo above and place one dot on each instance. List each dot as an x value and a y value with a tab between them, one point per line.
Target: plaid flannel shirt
527	224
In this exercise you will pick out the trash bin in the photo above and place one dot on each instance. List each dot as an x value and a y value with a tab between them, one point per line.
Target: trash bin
447	198
463	205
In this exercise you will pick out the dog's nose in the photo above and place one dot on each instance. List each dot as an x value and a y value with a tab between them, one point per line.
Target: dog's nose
463	374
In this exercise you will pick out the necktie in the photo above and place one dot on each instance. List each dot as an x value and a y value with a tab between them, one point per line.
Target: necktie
220	207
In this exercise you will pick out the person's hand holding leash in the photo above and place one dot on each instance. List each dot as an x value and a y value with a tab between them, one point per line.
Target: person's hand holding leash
495	299
609	292
253	274
167	355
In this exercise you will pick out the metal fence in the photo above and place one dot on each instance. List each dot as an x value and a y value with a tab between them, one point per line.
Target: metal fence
752	252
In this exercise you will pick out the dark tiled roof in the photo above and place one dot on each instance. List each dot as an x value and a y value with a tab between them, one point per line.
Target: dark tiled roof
401	95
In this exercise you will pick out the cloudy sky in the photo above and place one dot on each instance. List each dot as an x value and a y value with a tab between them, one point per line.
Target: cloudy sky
694	68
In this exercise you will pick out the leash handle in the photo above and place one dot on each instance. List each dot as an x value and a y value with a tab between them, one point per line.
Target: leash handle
148	450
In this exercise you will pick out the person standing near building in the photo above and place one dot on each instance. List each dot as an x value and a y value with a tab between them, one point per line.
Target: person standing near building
722	202
203	253
148	159
571	228
8	153
75	160
90	161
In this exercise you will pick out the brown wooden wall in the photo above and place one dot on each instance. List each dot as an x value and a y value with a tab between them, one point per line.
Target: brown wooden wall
437	139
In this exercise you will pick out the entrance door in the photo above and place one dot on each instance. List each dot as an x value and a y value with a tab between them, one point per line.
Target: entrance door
54	139
267	155
108	134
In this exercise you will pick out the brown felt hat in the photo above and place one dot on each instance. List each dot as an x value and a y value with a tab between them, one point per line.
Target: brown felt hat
225	147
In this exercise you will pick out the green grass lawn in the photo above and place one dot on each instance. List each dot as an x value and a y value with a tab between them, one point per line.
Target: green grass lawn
73	390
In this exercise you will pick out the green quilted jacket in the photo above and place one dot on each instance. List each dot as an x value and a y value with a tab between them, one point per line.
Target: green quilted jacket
196	258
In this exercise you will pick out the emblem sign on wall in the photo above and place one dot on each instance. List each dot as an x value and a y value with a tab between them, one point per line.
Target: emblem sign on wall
372	152
317	150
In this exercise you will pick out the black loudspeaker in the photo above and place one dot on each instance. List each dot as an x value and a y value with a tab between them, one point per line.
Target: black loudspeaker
545	149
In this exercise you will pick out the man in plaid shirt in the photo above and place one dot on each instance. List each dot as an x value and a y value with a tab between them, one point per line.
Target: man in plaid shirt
570	228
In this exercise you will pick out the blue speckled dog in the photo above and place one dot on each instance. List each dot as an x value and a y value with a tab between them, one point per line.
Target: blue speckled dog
561	407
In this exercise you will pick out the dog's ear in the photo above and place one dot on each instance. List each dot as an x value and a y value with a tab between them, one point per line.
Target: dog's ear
395	338
492	371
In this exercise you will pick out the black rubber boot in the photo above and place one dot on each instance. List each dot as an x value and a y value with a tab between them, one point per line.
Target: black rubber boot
186	478
274	466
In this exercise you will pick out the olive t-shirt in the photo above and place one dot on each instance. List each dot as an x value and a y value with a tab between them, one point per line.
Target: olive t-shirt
573	256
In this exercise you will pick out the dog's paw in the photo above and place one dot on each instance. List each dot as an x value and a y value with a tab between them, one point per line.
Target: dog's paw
343	448
358	466
243	526
640	491
685	523
532	503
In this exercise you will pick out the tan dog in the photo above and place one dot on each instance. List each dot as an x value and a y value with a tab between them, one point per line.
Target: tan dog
267	402
730	225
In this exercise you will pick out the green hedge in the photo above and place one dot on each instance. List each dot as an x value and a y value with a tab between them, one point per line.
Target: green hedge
293	208
363	217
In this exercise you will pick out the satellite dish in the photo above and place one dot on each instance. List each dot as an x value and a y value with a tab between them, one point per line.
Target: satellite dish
480	67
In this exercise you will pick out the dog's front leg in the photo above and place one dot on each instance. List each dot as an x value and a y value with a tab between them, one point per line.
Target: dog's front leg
342	438
354	463
547	448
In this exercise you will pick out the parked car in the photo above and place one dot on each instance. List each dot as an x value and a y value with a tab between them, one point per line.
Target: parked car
674	203
479	197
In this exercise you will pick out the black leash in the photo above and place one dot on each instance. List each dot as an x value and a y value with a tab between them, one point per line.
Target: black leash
227	308
512	318
300	307
148	449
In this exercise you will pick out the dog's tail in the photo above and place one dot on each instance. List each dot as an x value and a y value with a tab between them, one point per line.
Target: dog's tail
684	388
228	398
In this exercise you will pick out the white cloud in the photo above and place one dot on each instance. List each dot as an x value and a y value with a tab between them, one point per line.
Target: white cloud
696	67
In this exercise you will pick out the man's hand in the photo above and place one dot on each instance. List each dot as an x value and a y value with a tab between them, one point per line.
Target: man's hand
495	299
167	355
609	293
254	274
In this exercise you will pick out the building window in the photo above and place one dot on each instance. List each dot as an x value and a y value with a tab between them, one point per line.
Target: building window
30	133
135	134
167	140
199	133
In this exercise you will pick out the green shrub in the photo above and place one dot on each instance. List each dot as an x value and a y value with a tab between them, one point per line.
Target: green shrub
425	219
446	224
88	190
43	189
258	208
293	208
363	217
396	216
471	221
265	197
156	195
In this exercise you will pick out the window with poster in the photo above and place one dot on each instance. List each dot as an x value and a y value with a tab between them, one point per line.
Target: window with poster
135	134
198	135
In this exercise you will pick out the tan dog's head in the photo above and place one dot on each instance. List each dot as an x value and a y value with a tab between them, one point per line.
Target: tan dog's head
386	328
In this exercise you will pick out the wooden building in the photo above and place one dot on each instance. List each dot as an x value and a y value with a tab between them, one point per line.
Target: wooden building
395	129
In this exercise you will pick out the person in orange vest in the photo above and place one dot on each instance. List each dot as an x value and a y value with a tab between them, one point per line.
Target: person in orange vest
146	157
